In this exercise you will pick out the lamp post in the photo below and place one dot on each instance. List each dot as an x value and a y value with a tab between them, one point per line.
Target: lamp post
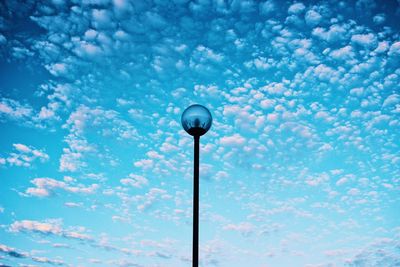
196	120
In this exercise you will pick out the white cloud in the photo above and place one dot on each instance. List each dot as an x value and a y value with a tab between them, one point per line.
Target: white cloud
88	50
97	121
121	6
58	69
334	34
245	228
24	156
46	113
90	35
274	88
210	54
221	175
267	7
317	179
13	109
70	161
325	73
149	199
72	158
122	36
49	227
72	204
134	180
342	181
313	18
357	91
233	140
35	226
379	18
394	49
380	249
22	148
344	53
155	20
391	100
3	40
44	187
367	40
154	155
205	91
85	117
168	147
12	252
38	192
102	19
382	47
272	117
296	8
353	192
267	103
144	163
231	110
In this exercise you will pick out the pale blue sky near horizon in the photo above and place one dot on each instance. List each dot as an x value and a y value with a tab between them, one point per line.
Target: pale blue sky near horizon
301	166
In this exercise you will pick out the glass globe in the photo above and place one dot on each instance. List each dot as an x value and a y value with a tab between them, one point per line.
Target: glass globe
196	120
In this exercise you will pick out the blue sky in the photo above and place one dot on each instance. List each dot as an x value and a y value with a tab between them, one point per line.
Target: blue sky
300	168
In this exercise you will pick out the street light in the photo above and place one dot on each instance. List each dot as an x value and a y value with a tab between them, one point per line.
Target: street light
196	120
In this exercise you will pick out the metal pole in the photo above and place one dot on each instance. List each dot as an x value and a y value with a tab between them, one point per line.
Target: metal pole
195	253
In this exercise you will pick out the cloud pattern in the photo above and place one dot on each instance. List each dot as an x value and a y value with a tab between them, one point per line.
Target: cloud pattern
301	166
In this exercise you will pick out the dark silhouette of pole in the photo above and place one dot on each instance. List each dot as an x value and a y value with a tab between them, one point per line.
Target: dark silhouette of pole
195	253
196	120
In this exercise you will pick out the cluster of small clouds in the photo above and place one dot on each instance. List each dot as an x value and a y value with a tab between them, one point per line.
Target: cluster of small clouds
85	121
25	114
24	156
45	187
14	110
55	228
134	181
380	252
14	253
150	198
50	227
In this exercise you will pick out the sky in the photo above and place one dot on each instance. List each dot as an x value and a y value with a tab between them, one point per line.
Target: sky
301	166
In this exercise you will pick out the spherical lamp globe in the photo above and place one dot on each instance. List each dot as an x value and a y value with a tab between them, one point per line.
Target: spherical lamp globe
196	120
